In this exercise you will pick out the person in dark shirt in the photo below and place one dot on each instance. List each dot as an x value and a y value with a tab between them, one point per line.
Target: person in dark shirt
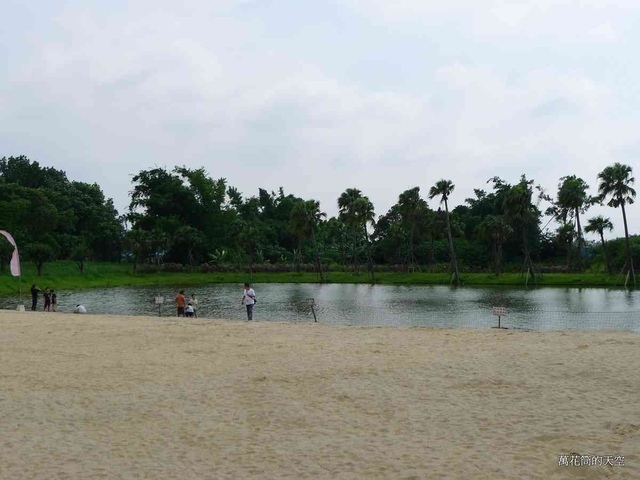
54	300
47	300
34	296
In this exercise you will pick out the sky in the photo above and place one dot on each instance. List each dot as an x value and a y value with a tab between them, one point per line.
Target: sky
318	97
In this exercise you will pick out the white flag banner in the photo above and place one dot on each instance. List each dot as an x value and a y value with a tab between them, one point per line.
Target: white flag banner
15	258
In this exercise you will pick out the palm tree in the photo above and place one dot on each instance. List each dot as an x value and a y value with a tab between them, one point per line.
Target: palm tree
364	215
346	216
600	224
357	211
572	196
411	208
615	182
305	218
444	188
522	214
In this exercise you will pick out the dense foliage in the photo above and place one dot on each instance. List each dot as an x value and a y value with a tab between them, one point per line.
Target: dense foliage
52	217
183	218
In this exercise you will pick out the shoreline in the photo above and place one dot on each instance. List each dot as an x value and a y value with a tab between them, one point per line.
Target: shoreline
102	396
63	275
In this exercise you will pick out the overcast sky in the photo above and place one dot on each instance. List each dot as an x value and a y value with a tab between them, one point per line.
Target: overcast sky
321	96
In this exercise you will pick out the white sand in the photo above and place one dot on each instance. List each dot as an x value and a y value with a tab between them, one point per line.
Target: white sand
91	397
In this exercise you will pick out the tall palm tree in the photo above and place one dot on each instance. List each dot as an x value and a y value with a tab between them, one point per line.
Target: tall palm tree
364	215
572	195
523	215
346	199
357	212
615	182
411	207
600	224
443	188
346	216
305	218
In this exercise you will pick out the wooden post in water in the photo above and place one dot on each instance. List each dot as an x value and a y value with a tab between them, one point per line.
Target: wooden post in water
311	302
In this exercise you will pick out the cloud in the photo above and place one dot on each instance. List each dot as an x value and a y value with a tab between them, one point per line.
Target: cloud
106	93
567	21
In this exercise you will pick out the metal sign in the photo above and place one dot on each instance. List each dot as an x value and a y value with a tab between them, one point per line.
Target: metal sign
499	312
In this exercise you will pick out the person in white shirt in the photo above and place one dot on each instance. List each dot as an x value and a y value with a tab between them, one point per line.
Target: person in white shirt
194	302
189	311
249	300
80	309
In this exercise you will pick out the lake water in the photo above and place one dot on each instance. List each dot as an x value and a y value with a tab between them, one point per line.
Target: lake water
366	305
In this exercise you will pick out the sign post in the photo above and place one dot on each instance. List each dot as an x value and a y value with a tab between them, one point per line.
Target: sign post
159	302
499	312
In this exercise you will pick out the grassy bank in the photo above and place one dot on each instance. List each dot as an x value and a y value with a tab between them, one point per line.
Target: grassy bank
65	275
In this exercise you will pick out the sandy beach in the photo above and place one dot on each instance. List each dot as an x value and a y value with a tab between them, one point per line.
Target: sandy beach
103	397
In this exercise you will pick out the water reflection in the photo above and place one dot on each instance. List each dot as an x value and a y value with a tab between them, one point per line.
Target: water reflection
532	309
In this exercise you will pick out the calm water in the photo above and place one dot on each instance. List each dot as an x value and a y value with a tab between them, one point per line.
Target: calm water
532	309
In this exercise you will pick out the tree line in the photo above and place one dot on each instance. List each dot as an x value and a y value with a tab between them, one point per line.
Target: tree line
184	218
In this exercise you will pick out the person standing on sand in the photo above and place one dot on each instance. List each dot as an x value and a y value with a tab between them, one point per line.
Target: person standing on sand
34	296
249	300
54	300
194	303
47	300
180	300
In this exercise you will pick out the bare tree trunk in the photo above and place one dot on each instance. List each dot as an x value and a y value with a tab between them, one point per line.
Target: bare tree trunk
355	259
369	258
298	256
432	253
606	255
411	254
499	259
318	264
528	264
626	237
454	261
579	240
494	252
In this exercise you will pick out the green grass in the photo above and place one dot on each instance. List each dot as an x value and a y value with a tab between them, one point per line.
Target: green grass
64	275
